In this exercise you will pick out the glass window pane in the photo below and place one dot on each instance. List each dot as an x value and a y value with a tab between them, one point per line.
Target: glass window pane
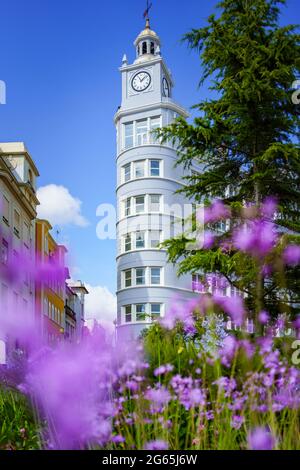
128	242
127	206
127	172
141	132
154	238
128	279
154	203
155	309
155	275
128	316
139	169
5	210
140	276
140	310
140	240
128	135
140	204
154	167
154	124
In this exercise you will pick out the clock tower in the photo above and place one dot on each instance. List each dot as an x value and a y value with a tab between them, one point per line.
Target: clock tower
148	207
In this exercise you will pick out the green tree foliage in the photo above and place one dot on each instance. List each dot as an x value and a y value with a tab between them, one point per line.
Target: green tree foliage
245	137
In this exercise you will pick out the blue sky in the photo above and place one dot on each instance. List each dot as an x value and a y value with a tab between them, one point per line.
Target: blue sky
60	62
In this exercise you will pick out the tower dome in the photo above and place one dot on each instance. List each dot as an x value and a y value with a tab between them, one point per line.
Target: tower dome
147	44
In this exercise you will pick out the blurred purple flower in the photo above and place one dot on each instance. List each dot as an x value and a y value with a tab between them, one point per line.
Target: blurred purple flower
237	421
234	306
158	444
263	317
257	238
291	255
216	211
158	396
269	207
209	238
261	438
163	369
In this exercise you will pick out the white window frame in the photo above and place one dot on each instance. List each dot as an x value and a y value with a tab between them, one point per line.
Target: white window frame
127	165
159	167
144	204
147	138
160	276
149	203
124	135
143	164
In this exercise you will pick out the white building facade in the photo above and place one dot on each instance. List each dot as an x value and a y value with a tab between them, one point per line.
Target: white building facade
149	210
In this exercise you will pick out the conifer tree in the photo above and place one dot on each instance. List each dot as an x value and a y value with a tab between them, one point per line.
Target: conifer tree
244	138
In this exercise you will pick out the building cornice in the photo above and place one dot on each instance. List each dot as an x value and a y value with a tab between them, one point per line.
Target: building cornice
156	250
167	104
151	178
129	289
15	187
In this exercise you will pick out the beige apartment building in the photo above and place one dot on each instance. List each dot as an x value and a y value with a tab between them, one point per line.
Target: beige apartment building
18	203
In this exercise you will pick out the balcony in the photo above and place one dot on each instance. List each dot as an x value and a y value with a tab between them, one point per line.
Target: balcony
70	312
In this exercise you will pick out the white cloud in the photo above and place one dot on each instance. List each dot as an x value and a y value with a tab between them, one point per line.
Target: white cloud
100	305
59	207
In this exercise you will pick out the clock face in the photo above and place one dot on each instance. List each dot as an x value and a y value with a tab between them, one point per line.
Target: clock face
165	87
141	81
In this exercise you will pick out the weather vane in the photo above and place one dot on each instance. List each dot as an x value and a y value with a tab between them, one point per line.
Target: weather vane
146	12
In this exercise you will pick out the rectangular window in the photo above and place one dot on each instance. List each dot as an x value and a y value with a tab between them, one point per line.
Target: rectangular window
128	278
140	240
154	167
128	134
155	310
5	209
140	312
17	219
141	132
155	275
139	169
4	252
140	276
26	234
128	314
154	238
139	204
154	124
128	242
154	202
127	172
127	206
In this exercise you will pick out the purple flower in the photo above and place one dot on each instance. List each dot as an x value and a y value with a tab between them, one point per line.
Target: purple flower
234	306
197	397
216	211
228	350
237	421
158	396
158	444
257	238
261	438
269	207
263	317
161	370
208	240
118	439
291	255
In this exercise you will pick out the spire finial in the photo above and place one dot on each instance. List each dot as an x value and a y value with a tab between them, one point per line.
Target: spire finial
146	14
